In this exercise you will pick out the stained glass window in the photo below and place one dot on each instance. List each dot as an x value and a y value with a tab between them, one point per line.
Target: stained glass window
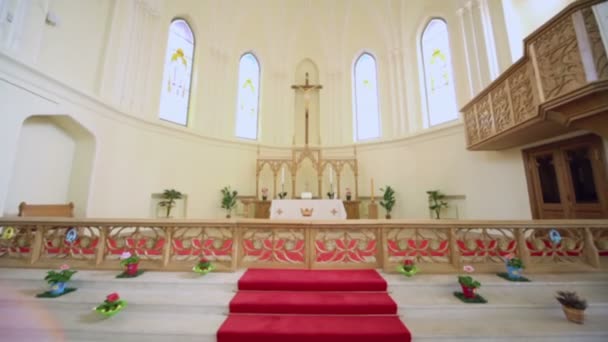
177	75
367	112
248	97
440	95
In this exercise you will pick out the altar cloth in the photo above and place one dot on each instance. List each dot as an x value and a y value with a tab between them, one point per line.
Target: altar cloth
319	209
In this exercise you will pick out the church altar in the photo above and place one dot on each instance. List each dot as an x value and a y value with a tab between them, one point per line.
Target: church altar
320	209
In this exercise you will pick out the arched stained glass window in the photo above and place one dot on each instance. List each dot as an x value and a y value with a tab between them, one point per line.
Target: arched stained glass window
440	95
367	112
177	74
248	97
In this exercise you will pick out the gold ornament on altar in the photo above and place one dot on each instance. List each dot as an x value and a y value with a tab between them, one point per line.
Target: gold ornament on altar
306	212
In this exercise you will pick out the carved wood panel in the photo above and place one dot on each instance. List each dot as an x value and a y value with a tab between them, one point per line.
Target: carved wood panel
597	47
470	120
484	115
522	93
501	107
559	60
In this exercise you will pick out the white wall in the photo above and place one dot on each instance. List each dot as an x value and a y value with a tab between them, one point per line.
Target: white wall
42	169
525	16
102	66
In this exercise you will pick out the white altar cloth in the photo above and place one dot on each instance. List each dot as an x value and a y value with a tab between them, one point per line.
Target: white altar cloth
320	209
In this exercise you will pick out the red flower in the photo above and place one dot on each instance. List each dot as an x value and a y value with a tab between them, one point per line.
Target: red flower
112	297
203	261
408	262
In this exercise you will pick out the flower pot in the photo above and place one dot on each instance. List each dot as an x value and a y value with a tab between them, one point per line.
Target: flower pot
513	272
468	292
57	288
348	197
388	216
264	198
574	315
132	269
203	271
109	312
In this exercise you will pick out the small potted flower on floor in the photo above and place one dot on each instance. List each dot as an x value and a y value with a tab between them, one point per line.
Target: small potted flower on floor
111	306
469	285
408	268
58	280
573	306
131	264
203	267
514	267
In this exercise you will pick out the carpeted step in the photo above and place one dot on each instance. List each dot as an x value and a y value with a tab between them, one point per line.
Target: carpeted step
311	280
299	302
315	328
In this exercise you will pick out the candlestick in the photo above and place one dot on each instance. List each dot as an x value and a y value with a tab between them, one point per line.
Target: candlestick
372	189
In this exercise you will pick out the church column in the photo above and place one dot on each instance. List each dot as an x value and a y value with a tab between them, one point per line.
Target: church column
127	67
401	91
467	54
393	77
473	47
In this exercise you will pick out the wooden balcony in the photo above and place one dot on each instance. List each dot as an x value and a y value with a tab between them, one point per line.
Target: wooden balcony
559	85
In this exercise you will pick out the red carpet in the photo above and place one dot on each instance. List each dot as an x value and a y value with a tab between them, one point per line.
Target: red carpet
329	303
309	280
312	306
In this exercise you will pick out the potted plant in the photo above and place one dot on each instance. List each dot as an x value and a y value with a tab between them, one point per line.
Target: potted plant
203	267
514	267
111	305
58	280
468	284
388	200
436	202
282	194
264	194
228	200
169	196
330	195
130	262
348	194
573	306
408	268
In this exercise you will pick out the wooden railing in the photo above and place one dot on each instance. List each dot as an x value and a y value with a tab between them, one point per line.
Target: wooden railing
560	84
437	246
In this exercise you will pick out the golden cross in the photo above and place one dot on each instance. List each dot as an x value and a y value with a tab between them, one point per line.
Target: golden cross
306	87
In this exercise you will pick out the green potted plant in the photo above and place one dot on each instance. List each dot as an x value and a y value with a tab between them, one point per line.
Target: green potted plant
58	280
203	267
436	201
514	267
388	200
228	200
408	268
130	262
111	305
468	284
169	197
573	306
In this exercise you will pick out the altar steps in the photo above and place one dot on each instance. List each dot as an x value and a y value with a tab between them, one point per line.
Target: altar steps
183	307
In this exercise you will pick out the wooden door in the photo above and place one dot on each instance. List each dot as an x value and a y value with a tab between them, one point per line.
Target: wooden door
567	179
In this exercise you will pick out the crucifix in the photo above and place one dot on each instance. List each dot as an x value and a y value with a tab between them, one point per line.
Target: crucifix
306	88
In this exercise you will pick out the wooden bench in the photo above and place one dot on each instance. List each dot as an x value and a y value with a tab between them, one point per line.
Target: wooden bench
56	210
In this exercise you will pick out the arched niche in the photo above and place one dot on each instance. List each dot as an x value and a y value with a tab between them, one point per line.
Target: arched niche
348	179
265	180
314	128
54	163
306	176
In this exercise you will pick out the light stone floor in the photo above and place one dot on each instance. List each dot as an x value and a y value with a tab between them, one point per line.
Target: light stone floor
170	306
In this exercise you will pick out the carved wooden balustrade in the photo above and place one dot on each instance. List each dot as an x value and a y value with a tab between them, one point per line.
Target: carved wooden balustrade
559	85
437	246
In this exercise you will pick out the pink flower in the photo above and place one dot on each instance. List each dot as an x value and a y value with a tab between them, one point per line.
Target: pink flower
64	267
408	262
348	191
468	269
509	256
112	297
264	191
125	255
